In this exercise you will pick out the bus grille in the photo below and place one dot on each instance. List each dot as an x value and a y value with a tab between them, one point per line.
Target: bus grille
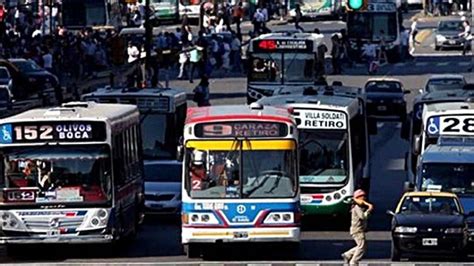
44	223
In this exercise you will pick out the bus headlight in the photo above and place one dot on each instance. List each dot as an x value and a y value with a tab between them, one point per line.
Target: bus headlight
203	219
96	219
11	222
280	218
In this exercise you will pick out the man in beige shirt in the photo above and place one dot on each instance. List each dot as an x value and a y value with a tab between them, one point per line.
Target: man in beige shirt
360	212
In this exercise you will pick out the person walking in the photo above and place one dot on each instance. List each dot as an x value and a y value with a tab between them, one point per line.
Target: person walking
360	212
195	58
201	92
466	36
237	16
298	18
336	53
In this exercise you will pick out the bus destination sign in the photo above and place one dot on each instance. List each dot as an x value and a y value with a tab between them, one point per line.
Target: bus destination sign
321	119
52	131
241	129
450	125
274	45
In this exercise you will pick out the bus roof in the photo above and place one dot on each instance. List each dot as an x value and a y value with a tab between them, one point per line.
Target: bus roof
77	111
254	111
445	108
448	154
291	36
124	95
429	194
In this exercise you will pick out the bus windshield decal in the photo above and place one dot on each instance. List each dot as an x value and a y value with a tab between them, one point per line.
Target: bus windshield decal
450	125
52	131
241	129
319	119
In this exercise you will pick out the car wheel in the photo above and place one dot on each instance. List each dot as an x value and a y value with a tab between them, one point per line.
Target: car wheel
437	48
395	253
462	255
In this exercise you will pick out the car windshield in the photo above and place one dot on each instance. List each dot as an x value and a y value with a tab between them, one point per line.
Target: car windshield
265	68
450	26
451	177
163	172
444	84
323	156
239	173
59	173
4	74
386	86
27	66
155	133
299	67
429	205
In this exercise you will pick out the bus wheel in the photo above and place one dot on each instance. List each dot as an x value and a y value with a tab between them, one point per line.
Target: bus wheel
395	253
192	250
14	251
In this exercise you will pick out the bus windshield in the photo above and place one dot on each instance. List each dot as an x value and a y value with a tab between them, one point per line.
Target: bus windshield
266	68
282	67
323	156
60	173
299	67
451	177
369	26
154	128
238	173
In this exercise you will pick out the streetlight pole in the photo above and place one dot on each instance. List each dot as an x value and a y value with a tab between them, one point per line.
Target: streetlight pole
148	34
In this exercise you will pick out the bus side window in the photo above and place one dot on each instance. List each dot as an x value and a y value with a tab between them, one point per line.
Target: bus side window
118	160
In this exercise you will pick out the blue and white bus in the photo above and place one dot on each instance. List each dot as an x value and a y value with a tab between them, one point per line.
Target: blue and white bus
240	177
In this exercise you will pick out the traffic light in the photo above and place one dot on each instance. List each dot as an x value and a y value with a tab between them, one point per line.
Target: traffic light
355	4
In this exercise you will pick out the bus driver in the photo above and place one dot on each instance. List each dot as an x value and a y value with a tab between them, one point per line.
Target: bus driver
199	179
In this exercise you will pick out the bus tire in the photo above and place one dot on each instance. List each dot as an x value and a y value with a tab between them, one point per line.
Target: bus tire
13	251
192	250
393	55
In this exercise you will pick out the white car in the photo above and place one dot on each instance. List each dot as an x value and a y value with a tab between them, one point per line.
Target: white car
163	187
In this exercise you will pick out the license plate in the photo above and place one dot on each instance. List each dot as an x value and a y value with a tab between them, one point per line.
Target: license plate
429	241
156	206
382	108
452	42
54	232
241	235
306	199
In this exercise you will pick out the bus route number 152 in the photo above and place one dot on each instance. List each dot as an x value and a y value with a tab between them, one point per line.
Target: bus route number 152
33	132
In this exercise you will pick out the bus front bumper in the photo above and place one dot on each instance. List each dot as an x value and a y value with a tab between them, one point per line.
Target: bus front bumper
339	208
218	235
84	239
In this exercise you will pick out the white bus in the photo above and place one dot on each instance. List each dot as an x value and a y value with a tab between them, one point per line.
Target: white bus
71	174
283	60
334	146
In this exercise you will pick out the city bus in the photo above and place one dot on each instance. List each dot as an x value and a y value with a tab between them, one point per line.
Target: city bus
381	19
412	128
190	8
240	171
162	115
312	9
71	174
165	10
283	60
334	146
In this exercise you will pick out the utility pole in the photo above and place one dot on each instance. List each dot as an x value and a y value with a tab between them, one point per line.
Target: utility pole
148	35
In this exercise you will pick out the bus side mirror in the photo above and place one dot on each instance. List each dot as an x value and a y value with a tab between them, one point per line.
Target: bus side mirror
179	153
405	130
416	149
372	125
408	186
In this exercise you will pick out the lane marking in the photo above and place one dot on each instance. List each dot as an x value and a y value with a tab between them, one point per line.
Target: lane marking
421	63
396	164
423	35
464	63
443	64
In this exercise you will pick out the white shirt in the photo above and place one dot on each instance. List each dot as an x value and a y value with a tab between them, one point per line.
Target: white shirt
48	60
36	33
132	53
235	45
370	50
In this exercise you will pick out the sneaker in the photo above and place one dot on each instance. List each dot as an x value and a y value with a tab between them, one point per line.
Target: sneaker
345	258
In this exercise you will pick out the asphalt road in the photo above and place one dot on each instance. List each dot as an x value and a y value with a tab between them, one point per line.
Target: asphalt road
159	239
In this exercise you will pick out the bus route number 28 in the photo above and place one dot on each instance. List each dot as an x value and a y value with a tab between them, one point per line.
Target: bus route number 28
458	125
